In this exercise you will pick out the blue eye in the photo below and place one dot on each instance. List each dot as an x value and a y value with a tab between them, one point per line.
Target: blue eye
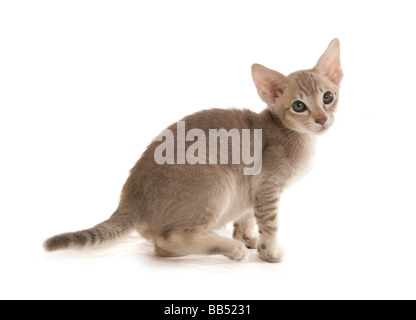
328	97
299	106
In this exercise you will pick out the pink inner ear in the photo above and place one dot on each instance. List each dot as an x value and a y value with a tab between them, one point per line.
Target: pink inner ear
333	72
270	84
329	64
279	92
274	89
270	91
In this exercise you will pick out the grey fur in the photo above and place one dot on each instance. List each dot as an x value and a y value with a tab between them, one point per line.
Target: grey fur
176	206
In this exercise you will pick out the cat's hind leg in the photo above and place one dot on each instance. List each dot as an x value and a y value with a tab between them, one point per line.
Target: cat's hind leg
164	253
179	244
245	230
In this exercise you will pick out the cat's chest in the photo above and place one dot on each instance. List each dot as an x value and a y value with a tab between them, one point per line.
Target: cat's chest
299	170
299	163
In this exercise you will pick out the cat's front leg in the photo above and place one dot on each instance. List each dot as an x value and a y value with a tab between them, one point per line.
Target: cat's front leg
266	213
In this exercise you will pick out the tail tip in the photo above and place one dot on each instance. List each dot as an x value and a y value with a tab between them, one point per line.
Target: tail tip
56	243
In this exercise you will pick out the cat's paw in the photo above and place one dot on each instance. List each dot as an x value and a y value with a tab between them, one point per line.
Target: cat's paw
250	242
270	252
239	252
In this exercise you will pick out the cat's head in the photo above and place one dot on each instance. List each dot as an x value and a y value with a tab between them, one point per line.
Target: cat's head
305	101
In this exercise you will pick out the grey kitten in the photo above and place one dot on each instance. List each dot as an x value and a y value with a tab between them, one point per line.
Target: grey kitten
177	205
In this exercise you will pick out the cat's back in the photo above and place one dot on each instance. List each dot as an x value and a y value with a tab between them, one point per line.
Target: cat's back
222	119
203	121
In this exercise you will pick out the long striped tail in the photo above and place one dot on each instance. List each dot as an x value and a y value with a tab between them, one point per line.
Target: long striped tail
118	225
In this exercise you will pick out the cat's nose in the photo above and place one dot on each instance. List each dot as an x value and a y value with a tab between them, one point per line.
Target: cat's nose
321	120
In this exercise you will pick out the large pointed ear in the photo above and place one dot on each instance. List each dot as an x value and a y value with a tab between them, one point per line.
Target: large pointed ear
270	84
329	63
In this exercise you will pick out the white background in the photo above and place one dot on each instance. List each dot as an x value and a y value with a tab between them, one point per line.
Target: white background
86	85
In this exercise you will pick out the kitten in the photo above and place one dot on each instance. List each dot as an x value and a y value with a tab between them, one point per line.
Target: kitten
176	206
